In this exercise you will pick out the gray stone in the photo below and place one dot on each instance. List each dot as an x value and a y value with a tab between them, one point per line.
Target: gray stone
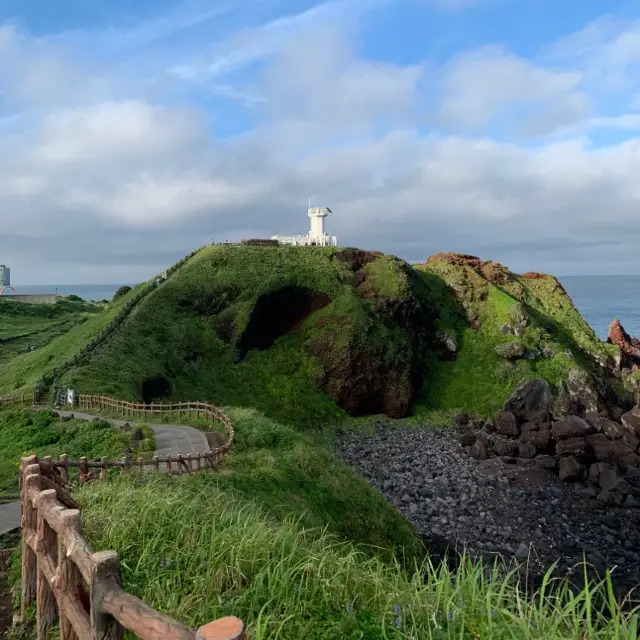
507	424
608	479
570	470
570	427
631	420
532	396
526	450
522	552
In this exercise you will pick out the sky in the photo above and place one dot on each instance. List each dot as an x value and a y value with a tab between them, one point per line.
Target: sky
132	133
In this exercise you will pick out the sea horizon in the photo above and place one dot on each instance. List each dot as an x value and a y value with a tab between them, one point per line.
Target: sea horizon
599	298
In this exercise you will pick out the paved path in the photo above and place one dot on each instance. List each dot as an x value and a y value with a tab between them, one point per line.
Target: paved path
170	439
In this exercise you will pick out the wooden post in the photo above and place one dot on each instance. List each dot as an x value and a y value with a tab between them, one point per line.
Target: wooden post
64	467
105	573
30	476
84	469
198	462
156	463
152	409
69	576
229	628
105	467
180	463
46	546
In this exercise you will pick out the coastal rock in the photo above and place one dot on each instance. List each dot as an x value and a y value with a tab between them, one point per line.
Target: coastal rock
570	427
616	452
531	398
569	469
539	439
506	424
629	347
631	420
582	390
576	447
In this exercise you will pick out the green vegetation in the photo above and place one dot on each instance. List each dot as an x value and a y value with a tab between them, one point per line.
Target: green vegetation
23	433
26	368
192	332
549	328
122	291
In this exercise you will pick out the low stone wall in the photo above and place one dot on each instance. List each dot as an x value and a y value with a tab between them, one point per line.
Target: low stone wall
32	298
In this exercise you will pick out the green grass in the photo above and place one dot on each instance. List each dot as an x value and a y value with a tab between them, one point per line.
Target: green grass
188	331
24	433
478	380
198	553
26	368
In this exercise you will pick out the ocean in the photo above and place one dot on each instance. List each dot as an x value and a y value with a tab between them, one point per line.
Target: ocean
600	299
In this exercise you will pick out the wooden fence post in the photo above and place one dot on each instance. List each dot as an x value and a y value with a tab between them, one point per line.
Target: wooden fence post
29	476
46	545
64	466
229	628
105	573
69	576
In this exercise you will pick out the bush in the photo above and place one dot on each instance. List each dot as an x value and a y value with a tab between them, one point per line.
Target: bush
122	291
74	298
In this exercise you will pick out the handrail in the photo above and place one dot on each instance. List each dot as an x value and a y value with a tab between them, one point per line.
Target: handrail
56	562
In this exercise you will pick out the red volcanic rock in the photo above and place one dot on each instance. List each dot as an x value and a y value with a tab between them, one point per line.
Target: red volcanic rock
493	271
534	275
627	345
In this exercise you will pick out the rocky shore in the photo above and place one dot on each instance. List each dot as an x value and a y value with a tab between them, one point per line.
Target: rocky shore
517	510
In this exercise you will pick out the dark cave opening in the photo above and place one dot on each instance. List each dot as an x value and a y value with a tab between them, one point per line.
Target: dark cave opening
155	388
278	313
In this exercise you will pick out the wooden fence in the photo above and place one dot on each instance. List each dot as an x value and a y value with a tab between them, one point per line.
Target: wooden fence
81	588
17	398
178	463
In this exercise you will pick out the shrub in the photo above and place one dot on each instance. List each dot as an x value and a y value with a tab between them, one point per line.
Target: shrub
122	291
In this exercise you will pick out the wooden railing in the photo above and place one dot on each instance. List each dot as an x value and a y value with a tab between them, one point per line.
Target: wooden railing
188	463
81	588
17	398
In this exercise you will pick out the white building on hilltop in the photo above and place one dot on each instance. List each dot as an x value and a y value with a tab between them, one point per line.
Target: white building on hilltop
317	236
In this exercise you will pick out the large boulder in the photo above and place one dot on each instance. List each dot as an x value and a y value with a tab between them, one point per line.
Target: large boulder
615	452
507	424
631	420
540	439
571	427
582	390
570	470
531	400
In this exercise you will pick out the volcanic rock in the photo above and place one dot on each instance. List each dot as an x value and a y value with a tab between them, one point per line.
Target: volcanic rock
569	469
570	427
576	447
526	450
628	346
615	452
507	424
631	420
539	439
530	397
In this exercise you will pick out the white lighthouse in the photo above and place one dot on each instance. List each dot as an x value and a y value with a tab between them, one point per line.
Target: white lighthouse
317	236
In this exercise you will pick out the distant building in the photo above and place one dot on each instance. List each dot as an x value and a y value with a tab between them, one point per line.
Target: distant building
317	237
5	276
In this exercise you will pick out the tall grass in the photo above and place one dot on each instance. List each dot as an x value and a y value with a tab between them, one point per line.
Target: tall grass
198	553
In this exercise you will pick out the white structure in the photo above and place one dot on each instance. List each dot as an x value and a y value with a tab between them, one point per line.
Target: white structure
317	236
5	276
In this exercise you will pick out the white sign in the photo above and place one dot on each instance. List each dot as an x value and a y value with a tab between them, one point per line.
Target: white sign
70	396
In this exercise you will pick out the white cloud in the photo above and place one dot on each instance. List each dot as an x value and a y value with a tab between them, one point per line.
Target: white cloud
129	179
480	84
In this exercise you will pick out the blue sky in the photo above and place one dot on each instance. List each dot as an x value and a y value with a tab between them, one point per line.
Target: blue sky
132	132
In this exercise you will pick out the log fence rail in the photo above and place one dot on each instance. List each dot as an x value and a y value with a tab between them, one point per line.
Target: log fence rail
81	588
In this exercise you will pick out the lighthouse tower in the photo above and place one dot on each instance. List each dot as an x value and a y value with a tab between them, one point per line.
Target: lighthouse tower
317	236
316	217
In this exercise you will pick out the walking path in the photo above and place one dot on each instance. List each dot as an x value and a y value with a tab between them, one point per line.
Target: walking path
171	439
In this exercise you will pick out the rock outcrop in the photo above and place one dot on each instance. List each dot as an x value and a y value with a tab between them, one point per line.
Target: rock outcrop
628	345
575	435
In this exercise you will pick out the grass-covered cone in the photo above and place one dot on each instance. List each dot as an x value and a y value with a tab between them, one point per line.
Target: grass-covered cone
303	334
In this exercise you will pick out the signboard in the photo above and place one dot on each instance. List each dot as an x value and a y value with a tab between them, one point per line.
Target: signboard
71	396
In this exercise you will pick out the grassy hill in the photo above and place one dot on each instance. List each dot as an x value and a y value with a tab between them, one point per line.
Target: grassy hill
312	336
484	307
303	335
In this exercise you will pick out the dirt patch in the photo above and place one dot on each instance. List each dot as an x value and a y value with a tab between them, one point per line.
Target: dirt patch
494	272
278	313
355	259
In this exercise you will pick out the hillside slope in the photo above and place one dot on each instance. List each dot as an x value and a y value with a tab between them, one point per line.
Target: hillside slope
504	328
311	336
306	335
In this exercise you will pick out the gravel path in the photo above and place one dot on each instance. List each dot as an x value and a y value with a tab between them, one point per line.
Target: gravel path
491	508
170	439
